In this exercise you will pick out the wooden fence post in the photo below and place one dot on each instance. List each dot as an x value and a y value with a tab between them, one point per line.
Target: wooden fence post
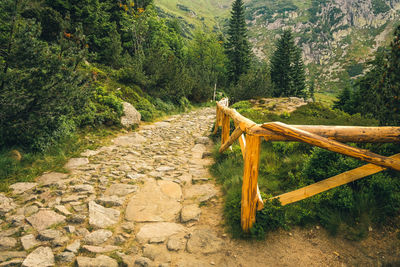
250	177
225	128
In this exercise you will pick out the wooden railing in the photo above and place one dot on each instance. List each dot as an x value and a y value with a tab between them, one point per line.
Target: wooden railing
250	134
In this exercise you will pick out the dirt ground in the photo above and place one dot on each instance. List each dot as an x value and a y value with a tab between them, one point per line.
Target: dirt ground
312	246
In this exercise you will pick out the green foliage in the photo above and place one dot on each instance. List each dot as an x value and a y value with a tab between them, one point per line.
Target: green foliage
41	89
379	6
237	46
287	68
256	83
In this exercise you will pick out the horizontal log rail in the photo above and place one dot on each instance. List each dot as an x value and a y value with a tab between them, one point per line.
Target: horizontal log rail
249	134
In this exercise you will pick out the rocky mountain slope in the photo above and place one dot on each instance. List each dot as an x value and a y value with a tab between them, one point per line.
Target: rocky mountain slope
337	36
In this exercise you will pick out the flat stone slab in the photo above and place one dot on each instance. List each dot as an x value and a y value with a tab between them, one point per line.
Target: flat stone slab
44	219
160	231
129	140
52	178
20	188
171	189
190	213
97	237
99	261
5	255
75	163
40	257
200	192
102	217
7	243
29	241
83	188
6	204
150	204
204	241
121	190
157	253
110	201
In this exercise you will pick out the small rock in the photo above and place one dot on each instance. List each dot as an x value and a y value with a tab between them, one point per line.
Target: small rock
110	201
165	169
6	204
175	243
158	230
99	261
204	241
60	241
156	253
97	237
131	115
75	163
83	188
6	255
49	234
20	188
52	178
128	226
70	229
143	262
29	241
65	257
62	209
105	249
16	220
72	198
82	231
190	213
13	262
76	218
102	217
28	211
120	190
40	257
44	219
7	243
74	246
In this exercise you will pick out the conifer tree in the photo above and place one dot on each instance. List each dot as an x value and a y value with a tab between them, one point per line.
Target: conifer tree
237	46
287	68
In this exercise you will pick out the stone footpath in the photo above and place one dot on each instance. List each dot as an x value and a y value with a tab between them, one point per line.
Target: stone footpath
138	202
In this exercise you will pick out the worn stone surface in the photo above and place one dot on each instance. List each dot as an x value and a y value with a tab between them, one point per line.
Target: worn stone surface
6	255
190	213
204	241
83	188
131	115
97	237
129	140
158	230
49	234
176	243
102	217
110	201
152	205
52	178
120	190
99	261
200	192
29	241
65	257
170	189
20	188
40	257
157	253
7	243
74	246
75	163
44	219
6	204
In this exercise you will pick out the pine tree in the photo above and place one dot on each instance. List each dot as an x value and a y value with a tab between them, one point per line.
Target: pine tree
287	68
237	47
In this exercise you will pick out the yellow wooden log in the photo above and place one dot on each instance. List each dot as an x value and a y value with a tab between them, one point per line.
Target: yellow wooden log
332	145
225	128
249	186
217	115
335	181
235	135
